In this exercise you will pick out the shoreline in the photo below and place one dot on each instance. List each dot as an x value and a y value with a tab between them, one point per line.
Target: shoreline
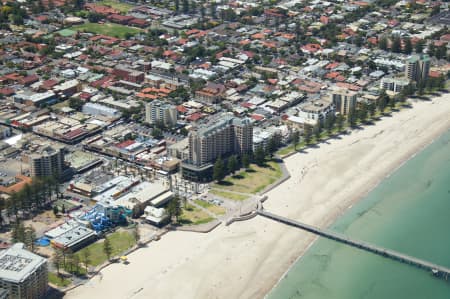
421	147
259	252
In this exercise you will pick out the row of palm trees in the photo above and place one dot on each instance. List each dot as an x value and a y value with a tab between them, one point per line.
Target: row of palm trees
32	198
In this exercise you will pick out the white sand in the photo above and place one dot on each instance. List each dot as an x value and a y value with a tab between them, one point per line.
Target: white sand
246	259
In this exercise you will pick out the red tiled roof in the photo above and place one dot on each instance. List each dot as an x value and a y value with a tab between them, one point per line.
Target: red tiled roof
195	116
74	133
125	143
7	91
257	117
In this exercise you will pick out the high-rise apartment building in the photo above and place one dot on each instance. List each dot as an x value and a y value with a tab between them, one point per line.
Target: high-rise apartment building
344	100
417	67
23	274
157	111
47	161
228	135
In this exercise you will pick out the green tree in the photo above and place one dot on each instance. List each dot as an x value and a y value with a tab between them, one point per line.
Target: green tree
232	164
86	258
351	118
57	260
157	133
419	46
382	102
55	210
18	232
340	122
271	146
136	234
329	123
362	113
107	248
30	237
76	263
307	134
246	161
295	138
396	46
383	43
259	155
407	49
76	103
174	208
392	103
371	108
317	130
219	170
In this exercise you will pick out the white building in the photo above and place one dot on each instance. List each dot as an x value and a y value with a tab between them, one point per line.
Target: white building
157	111
393	84
316	111
97	109
23	274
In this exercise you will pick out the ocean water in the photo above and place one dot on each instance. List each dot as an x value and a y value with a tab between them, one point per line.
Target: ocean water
408	212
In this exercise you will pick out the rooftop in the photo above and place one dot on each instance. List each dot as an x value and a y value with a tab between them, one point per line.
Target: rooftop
17	263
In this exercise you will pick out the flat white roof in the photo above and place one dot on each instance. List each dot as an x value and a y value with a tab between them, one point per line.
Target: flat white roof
17	263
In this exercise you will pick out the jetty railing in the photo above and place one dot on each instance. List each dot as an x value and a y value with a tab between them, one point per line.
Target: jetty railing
437	270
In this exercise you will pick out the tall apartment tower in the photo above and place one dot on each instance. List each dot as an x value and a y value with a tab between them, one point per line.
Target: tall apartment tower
229	135
157	111
344	100
23	274
47	161
417	67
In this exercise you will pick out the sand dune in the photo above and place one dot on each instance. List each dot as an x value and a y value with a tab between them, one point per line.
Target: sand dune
246	259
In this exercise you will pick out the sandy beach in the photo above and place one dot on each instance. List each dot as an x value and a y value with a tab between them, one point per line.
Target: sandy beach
246	259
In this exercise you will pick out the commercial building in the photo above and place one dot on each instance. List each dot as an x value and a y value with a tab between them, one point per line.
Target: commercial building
71	236
125	73
23	274
47	161
157	111
225	136
35	99
97	109
417	67
344	100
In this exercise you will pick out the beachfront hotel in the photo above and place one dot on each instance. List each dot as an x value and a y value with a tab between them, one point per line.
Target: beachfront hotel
23	274
225	136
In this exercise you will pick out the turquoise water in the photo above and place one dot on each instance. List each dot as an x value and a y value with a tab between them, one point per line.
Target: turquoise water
408	212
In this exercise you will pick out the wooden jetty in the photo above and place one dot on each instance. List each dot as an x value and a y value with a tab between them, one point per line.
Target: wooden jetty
437	270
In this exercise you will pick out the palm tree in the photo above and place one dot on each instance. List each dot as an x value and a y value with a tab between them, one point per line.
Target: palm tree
107	248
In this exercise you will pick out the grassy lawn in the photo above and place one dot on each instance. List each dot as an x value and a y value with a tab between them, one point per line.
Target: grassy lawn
218	210
252	180
109	29
58	281
120	6
229	195
120	241
193	215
